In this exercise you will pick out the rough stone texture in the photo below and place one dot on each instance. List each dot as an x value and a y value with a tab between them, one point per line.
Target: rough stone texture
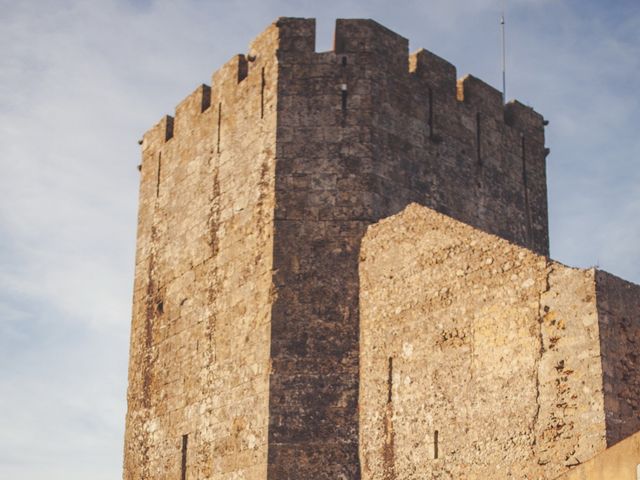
200	339
482	359
363	130
619	462
618	313
253	203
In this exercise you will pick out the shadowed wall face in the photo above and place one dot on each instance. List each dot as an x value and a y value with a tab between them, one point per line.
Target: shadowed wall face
362	131
619	319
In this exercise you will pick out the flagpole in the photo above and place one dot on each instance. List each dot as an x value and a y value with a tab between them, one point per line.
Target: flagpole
504	57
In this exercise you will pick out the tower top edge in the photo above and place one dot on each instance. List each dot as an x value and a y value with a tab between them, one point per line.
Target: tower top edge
289	39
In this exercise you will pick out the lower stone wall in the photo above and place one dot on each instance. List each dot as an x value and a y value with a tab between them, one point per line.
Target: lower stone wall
479	359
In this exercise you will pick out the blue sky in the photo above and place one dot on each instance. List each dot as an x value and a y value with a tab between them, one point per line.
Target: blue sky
81	81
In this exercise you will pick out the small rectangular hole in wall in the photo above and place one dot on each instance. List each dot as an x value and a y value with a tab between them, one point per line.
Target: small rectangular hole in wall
183	462
430	118
478	152
262	85
206	98
219	126
243	68
344	93
158	179
168	133
390	381
344	61
435	445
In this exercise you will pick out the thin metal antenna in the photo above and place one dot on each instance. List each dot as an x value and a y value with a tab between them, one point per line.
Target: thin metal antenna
504	55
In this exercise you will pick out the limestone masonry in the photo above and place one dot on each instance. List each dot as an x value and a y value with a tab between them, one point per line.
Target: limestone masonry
342	273
481	359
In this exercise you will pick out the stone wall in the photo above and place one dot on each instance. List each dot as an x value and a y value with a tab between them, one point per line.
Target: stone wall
253	203
199	355
481	359
619	317
362	131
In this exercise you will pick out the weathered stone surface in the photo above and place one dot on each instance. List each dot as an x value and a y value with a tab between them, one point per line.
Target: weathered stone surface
363	130
619	462
619	313
482	359
200	340
253	203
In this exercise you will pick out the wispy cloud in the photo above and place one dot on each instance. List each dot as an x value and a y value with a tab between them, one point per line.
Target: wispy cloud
79	83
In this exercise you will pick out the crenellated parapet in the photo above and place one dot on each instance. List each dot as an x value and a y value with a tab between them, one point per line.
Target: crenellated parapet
359	42
434	71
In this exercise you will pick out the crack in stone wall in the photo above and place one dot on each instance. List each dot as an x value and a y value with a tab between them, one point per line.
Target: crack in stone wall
534	421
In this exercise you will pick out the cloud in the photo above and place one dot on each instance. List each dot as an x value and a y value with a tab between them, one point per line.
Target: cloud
80	82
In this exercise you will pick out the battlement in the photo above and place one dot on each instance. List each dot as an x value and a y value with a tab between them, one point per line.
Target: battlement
357	42
434	71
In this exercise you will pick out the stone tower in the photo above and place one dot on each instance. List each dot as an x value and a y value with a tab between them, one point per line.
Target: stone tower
254	198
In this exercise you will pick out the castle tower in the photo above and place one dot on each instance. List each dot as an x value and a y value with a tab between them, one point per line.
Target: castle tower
254	198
